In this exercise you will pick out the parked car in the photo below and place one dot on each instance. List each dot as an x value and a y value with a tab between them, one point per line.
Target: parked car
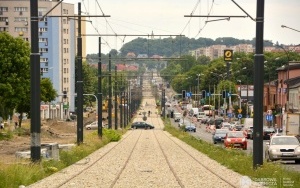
268	132
219	135
190	127
235	139
283	148
92	126
140	124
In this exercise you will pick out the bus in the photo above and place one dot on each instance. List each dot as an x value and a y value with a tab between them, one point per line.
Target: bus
208	109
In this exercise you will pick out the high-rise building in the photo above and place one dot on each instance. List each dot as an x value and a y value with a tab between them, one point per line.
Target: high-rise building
57	42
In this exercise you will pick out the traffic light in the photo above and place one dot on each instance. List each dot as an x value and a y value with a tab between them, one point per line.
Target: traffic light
203	94
224	94
183	94
65	94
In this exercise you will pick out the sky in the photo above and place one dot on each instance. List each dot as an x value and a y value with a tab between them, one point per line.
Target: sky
167	17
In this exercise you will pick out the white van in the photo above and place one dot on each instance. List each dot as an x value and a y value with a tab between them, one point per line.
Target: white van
248	122
177	116
200	116
194	112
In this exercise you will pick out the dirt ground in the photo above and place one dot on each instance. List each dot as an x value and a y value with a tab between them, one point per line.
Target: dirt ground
52	131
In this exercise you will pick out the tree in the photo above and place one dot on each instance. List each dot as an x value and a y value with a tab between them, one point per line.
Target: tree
89	82
15	73
48	93
15	77
203	60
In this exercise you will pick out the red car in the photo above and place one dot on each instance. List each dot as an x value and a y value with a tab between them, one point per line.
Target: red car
235	139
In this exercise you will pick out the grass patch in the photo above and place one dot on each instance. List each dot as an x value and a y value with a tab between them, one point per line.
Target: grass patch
26	173
237	160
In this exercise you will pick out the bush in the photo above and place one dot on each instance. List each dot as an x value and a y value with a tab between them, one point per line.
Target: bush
112	135
6	135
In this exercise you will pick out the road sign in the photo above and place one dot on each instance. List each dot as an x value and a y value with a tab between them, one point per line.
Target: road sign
188	94
240	111
208	94
228	94
269	117
229	115
228	55
240	116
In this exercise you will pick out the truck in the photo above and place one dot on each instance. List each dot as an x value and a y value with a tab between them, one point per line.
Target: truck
290	124
194	112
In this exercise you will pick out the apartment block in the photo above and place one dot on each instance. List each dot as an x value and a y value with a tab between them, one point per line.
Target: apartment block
57	43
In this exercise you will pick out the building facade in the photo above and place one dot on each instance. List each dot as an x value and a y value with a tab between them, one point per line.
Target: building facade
57	43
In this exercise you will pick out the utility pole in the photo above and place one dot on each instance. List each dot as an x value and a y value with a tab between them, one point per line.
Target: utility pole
258	87
116	100
79	82
99	92
35	81
109	94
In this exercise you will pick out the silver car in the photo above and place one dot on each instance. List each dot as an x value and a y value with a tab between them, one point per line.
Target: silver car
283	148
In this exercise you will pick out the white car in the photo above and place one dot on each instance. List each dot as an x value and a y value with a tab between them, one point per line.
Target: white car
93	126
283	148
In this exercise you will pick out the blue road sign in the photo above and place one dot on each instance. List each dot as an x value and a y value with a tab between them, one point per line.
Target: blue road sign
269	117
228	94
188	94
207	94
240	116
229	115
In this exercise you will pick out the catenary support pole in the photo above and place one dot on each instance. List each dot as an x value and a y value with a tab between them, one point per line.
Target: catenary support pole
109	94
258	87
79	82
99	92
116	99
35	81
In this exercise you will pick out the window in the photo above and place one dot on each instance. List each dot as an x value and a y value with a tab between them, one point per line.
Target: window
23	29
3	9
3	29
21	19
65	41
65	11
3	19
21	9
43	29
43	50
43	40
43	60
65	80
65	70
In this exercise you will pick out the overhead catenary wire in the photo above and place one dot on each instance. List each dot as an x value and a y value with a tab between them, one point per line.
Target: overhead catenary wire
209	12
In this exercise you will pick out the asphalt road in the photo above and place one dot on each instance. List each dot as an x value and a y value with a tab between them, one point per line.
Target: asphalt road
204	135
